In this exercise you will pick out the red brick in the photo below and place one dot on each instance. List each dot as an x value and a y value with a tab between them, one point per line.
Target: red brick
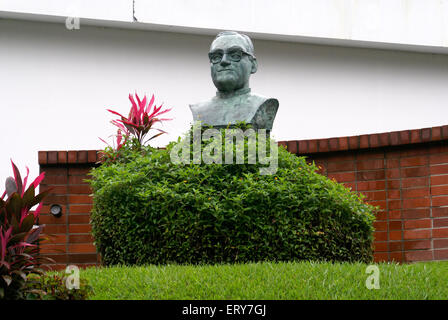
375	195
438	148
392	163
371	175
426	134
396	256
79	218
62	157
440	233
395	245
53	170
353	142
394	138
418	255
438	169
52	157
417	224
414	182
83	208
416	213
42	157
370	164
393	184
82	258
323	145
55	229
343	143
381	246
343	177
395	225
58	258
281	143
417	234
380	236
417	245
440	212
371	185
61	190
303	146
55	179
393	194
382	215
380	257
55	199
440	222
350	185
393	173
441	254
312	146
384	139
380	203
439	180
419	150
91	156
50	219
394	204
81	238
72	156
374	140
440	201
82	156
415	193
438	158
364	141
440	243
395	235
439	190
80	199
416	203
414	161
436	133
445	131
292	147
405	137
414	172
333	143
341	166
80	228
415	136
380	225
82	189
82	248
370	155
52	248
54	239
77	179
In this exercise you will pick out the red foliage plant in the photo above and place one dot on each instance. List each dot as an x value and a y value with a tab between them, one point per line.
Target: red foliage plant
19	234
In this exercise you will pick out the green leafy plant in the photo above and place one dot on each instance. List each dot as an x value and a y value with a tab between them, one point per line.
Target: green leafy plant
149	210
53	287
19	235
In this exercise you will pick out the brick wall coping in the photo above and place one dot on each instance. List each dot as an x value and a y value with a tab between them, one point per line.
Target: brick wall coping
72	157
366	141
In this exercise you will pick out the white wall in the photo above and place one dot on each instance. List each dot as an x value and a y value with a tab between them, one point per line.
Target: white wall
56	85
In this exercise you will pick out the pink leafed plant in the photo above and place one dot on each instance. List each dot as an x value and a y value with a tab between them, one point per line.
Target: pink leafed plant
143	115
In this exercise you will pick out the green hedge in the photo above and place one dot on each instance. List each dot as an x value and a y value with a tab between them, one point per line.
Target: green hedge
148	210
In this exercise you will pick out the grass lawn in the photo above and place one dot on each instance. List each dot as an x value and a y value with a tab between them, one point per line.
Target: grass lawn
298	280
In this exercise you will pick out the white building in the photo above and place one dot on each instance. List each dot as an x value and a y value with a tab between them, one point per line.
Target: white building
338	67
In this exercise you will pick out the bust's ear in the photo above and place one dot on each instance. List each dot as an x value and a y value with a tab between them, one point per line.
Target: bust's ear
254	66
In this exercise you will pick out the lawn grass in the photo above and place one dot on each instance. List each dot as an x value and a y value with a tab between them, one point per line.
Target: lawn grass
298	280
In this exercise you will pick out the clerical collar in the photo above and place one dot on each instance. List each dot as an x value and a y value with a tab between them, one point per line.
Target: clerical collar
238	92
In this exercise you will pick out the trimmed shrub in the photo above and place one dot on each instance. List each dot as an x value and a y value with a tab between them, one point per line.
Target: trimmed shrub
148	210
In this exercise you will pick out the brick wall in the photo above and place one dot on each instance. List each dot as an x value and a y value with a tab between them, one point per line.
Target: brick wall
404	172
71	241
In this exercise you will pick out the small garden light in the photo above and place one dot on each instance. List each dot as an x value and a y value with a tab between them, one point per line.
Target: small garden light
56	210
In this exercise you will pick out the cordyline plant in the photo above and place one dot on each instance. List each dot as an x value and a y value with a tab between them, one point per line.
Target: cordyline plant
19	234
134	128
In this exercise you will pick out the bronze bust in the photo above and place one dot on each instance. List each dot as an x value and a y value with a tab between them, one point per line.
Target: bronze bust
232	61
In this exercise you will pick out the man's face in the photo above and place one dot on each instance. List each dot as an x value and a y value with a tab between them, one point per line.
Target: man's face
229	75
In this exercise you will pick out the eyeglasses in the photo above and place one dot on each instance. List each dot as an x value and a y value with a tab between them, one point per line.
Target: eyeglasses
233	55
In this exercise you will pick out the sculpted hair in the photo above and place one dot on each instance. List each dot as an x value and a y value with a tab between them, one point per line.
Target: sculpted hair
249	44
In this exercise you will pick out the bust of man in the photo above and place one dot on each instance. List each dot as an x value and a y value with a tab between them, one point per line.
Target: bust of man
232	61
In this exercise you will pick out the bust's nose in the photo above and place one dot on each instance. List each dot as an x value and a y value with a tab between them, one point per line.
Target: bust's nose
225	61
